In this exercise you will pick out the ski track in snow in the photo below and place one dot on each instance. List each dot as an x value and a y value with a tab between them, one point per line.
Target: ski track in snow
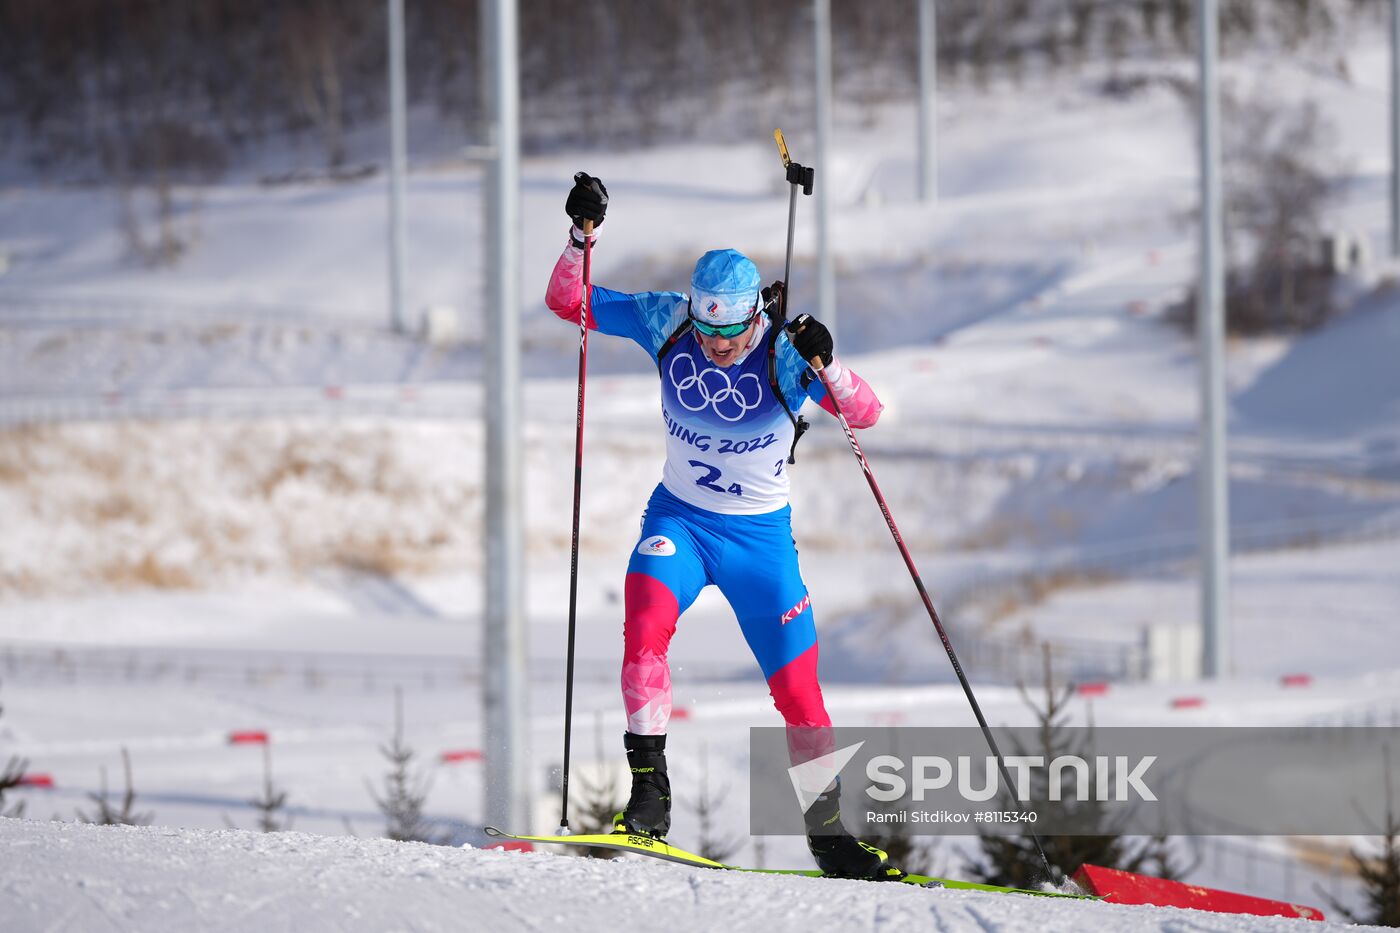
75	877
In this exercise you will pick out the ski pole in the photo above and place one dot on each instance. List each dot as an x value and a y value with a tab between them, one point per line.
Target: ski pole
796	175
573	552
816	364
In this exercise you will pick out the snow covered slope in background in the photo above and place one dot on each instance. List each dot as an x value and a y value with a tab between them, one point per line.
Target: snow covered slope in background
164	582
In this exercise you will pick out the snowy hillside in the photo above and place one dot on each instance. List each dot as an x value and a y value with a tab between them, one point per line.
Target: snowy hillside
73	877
231	501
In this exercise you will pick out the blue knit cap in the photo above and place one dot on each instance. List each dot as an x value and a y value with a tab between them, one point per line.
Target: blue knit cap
724	287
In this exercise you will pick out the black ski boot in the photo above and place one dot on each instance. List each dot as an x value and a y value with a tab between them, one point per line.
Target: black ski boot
837	852
648	810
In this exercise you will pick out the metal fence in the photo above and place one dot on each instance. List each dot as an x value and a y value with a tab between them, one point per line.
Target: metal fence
28	310
1372	714
1311	871
1019	657
439	400
1168	553
287	670
273	670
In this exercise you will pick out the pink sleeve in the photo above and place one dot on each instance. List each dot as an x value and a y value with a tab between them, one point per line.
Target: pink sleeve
565	293
858	402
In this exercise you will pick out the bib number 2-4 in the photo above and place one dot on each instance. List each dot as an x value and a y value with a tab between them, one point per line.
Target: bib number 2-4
711	480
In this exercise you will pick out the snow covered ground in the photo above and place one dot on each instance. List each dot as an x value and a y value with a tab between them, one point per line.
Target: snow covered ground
166	582
61	877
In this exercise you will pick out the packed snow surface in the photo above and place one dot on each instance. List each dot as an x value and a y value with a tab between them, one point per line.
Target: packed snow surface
77	877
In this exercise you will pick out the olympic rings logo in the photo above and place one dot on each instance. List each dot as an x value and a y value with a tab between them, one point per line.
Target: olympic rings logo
712	388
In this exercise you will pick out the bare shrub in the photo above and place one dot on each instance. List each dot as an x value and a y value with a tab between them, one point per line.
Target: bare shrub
177	504
1275	190
253	71
315	40
147	571
148	160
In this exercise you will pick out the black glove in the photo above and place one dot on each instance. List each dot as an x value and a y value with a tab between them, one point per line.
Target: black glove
810	338
773	295
588	200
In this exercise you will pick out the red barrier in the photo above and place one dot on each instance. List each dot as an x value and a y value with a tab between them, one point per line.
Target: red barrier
1124	887
248	737
887	718
513	845
680	712
334	392
1295	680
458	755
1094	689
36	780
1188	702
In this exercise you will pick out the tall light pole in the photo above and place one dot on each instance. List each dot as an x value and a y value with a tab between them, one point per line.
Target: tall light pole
826	275
503	648
928	101
1210	330
398	158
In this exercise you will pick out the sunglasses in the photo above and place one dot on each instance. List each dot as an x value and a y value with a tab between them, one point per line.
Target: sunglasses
724	330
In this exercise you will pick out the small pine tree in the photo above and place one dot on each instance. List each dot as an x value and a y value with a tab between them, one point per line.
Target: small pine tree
599	801
1013	859
272	805
405	792
1379	874
12	775
760	852
895	840
713	845
105	814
